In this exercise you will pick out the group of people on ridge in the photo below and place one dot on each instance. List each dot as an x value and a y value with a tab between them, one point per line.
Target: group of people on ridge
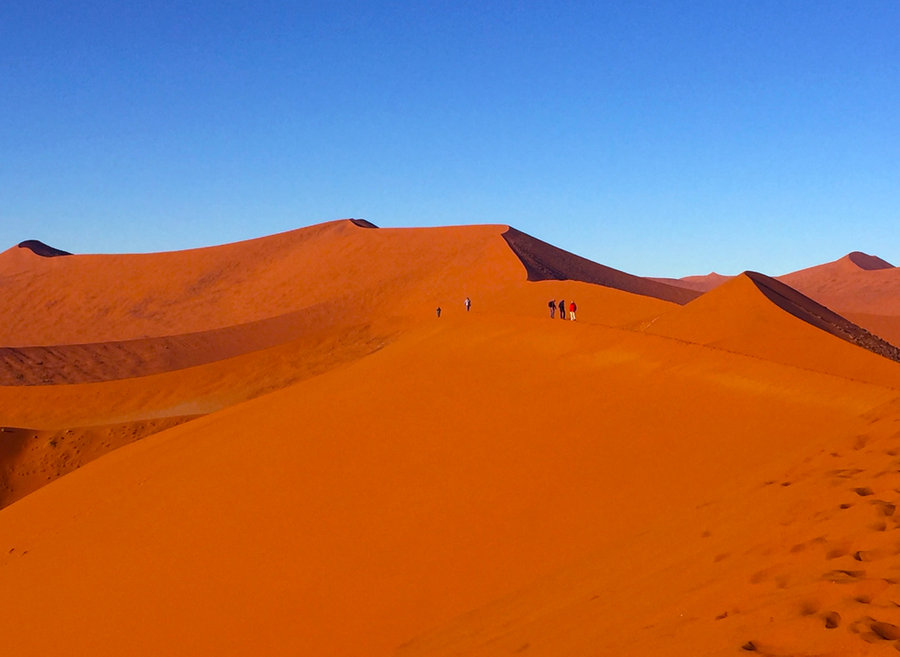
552	305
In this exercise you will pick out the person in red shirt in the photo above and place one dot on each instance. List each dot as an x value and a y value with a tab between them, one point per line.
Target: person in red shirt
572	309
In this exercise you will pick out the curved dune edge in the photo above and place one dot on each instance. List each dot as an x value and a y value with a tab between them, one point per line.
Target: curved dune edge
88	420
44	250
753	315
814	313
107	361
544	261
32	458
356	271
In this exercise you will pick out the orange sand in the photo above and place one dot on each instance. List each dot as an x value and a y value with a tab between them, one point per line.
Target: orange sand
650	479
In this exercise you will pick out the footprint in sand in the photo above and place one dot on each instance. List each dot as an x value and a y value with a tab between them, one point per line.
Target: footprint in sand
832	620
844	576
884	508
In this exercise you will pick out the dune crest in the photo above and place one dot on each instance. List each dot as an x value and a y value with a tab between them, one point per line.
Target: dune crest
703	283
39	248
812	312
868	262
759	316
544	262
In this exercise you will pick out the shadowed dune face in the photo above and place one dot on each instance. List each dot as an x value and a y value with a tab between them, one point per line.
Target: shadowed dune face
868	262
802	307
857	283
756	315
861	287
39	248
544	261
30	458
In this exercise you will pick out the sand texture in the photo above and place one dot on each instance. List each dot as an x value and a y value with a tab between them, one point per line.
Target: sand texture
276	447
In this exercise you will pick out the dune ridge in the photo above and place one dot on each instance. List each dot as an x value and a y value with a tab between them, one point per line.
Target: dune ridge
44	250
814	313
703	283
544	261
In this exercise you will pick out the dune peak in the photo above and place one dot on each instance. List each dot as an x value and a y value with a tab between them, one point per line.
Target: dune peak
801	306
868	262
543	262
44	250
363	223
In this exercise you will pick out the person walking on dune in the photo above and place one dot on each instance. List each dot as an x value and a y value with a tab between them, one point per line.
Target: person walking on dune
552	307
562	308
572	309
438	311
468	304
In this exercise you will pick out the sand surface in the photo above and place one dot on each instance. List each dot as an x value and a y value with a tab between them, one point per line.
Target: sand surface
325	467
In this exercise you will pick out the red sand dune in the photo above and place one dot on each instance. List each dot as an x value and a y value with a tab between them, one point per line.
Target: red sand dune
546	262
862	287
346	316
857	283
703	283
721	480
741	316
356	516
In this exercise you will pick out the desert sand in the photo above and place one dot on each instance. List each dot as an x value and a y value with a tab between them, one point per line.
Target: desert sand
276	447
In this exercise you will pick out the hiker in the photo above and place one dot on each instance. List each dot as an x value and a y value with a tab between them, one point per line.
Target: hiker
572	309
552	306
468	304
562	308
438	311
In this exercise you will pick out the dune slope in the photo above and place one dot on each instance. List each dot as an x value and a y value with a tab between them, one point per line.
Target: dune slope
349	309
544	261
756	315
352	512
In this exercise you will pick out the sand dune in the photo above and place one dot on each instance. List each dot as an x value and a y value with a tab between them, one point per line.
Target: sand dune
132	381
756	315
355	520
857	283
39	248
32	458
325	467
703	283
546	262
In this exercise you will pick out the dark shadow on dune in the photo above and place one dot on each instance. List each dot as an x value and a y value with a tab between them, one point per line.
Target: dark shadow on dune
106	361
545	262
868	262
41	249
362	223
812	312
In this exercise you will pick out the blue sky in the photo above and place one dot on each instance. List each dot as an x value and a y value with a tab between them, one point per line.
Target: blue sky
660	138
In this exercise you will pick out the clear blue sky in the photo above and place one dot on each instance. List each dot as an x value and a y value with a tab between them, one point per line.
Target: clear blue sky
660	138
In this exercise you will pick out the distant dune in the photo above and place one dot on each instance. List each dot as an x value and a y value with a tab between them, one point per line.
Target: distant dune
699	283
861	287
277	447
